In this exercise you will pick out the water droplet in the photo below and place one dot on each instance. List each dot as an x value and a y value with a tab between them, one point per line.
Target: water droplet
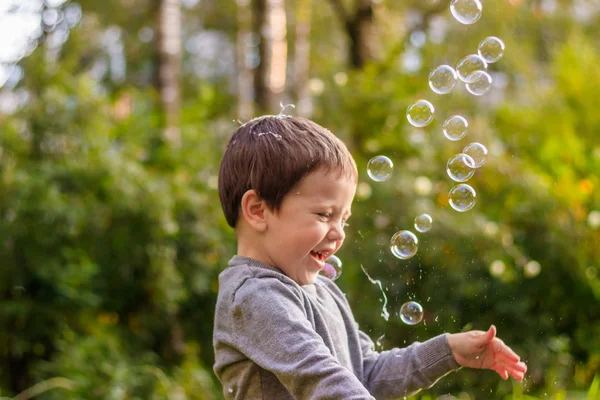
384	312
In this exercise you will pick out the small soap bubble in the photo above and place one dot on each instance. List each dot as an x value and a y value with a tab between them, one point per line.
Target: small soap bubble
379	168
411	313
479	83
462	197
466	11
442	79
420	113
455	127
468	65
477	152
332	268
460	167
423	223
491	49
404	244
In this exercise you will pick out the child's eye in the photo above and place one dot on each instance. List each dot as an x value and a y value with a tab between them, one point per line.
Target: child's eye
324	216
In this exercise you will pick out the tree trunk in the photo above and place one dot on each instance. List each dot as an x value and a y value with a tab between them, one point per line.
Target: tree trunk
245	77
362	36
168	74
360	29
270	75
302	58
259	16
169	66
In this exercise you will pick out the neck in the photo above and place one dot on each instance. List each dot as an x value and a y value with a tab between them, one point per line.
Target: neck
249	244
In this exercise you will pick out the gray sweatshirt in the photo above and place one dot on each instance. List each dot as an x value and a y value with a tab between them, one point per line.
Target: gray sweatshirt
275	339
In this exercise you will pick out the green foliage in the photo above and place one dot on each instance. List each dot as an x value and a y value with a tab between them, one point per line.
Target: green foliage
112	237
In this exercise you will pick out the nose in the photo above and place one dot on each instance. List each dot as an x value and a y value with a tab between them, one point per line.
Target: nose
336	233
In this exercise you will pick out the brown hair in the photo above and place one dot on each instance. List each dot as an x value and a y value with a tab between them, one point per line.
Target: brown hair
271	154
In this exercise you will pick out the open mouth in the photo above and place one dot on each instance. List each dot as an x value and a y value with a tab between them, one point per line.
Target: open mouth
318	255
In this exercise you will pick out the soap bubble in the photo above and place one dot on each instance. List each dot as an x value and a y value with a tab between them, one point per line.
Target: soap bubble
411	313
332	268
380	168
466	11
477	152
404	244
468	65
442	79
460	167
462	197
479	83
455	127
423	223
491	49
420	113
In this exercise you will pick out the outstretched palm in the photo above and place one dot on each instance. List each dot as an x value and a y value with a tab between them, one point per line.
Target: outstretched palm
483	350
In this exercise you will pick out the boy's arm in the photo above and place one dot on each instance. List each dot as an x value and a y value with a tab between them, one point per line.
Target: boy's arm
402	372
271	328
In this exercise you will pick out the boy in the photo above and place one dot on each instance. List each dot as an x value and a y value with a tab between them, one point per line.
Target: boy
282	331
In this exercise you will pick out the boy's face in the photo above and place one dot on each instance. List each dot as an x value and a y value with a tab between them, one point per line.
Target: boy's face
309	226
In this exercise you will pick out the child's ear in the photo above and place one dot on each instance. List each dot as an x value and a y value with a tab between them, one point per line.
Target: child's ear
253	210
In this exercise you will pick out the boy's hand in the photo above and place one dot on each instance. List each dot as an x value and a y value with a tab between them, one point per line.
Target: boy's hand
483	350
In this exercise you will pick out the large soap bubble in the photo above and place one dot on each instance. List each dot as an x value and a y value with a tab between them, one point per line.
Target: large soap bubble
411	313
466	11
468	65
491	49
462	197
420	113
404	244
332	268
442	79
455	127
479	83
379	168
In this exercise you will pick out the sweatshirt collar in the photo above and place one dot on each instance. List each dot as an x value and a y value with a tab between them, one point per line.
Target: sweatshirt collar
242	260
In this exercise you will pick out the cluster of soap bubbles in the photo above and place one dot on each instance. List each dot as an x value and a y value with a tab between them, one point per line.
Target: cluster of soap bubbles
472	71
404	244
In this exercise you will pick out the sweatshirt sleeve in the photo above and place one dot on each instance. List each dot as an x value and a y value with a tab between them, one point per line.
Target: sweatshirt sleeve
271	328
404	371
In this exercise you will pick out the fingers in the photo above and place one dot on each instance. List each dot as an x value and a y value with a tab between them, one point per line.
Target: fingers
505	358
500	348
516	370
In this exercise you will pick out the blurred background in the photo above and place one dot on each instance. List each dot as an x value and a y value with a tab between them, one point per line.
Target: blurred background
113	118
